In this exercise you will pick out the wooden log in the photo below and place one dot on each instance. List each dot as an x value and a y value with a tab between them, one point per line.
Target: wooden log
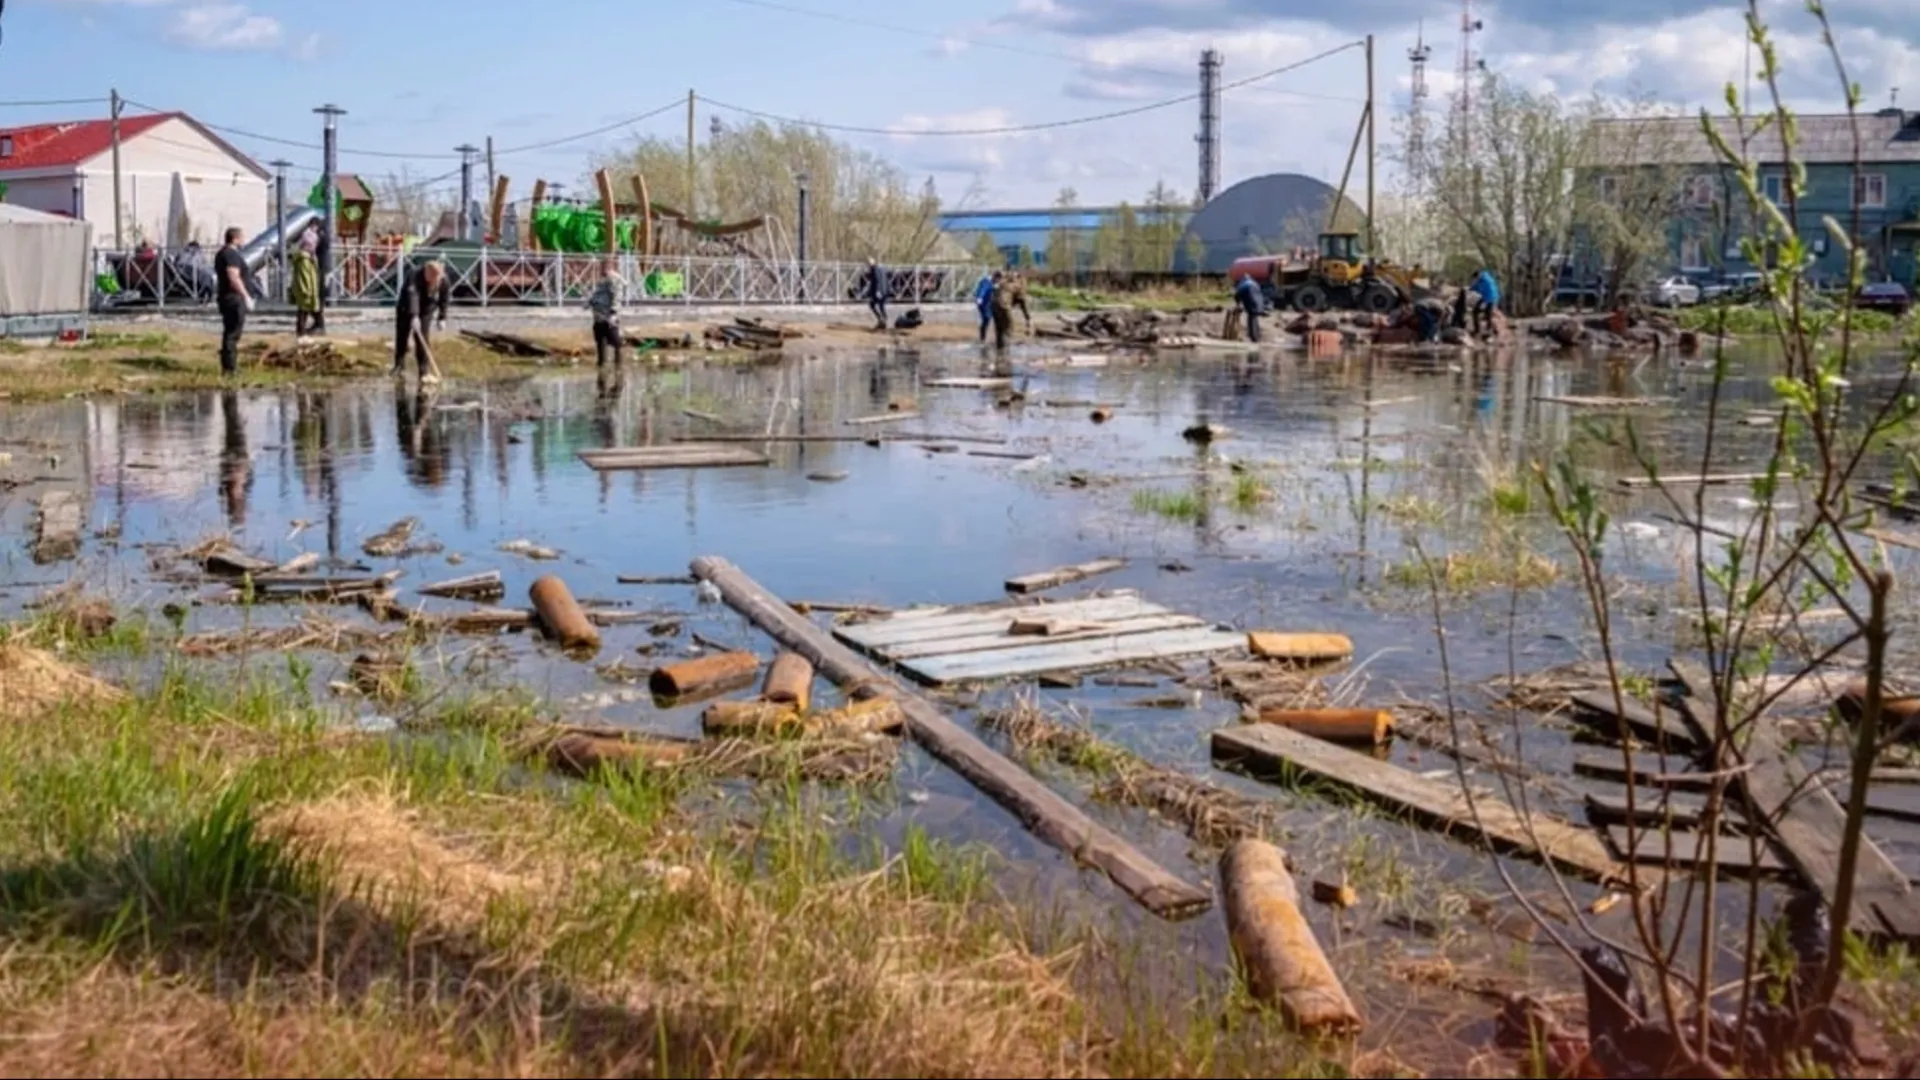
752	719
1304	648
789	681
715	674
1051	817
873	716
486	586
299	564
1065	575
1100	415
581	753
1899	716
1372	726
1275	947
655	579
678	456
560	616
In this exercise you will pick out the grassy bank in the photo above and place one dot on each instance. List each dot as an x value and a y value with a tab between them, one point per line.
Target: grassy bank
1747	319
213	876
1169	298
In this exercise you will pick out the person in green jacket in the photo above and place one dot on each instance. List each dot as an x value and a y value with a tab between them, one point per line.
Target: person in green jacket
303	288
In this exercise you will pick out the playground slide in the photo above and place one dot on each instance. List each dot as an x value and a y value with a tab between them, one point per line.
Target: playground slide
258	250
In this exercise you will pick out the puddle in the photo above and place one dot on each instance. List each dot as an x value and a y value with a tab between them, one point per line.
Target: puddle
1302	515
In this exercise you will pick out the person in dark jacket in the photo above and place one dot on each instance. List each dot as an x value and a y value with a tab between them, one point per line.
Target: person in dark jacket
1247	292
232	298
877	291
427	289
323	258
983	301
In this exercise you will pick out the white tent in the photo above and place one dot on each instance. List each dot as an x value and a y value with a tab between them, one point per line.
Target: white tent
43	263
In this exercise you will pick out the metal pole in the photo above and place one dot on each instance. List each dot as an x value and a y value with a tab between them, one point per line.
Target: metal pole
802	230
489	174
119	241
280	217
1372	152
466	152
329	167
693	174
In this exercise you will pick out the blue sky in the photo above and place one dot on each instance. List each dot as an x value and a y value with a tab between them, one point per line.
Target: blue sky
421	78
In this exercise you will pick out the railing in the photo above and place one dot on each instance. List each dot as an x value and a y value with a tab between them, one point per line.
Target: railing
488	277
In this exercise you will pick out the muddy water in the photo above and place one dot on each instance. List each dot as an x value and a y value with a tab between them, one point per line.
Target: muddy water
1363	464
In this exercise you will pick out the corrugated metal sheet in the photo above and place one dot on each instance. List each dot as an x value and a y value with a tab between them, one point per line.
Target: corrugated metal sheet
1821	140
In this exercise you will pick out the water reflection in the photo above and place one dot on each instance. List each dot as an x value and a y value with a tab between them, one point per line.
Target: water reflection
422	444
236	465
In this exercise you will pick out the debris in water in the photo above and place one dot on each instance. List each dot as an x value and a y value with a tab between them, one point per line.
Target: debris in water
529	549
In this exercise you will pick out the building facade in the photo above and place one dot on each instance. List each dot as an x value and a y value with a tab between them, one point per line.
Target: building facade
1713	215
176	176
1022	235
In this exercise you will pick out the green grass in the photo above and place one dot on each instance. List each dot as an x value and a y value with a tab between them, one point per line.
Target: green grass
1172	505
1745	319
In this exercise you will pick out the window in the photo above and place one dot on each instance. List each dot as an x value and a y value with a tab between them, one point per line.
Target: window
6	146
1609	188
1774	188
1700	191
1692	252
1870	189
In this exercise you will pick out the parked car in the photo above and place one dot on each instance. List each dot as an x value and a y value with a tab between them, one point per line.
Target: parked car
1888	296
1673	291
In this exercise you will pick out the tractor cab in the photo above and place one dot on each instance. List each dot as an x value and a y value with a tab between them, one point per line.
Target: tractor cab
1341	260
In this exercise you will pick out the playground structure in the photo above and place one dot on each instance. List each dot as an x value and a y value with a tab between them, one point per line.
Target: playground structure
548	255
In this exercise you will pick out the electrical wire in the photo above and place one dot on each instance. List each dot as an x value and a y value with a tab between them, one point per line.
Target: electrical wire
55	101
1018	50
628	122
1016	129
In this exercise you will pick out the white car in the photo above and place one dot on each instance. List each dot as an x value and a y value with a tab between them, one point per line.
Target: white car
1673	292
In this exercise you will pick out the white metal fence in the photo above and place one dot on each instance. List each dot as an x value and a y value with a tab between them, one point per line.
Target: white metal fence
485	277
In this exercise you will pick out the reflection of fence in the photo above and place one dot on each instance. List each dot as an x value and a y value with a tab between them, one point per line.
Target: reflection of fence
483	277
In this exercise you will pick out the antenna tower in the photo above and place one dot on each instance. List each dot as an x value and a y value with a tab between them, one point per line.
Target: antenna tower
1470	67
1209	137
1417	119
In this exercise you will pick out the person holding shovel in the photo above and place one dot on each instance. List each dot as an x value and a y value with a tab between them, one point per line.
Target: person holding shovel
604	302
427	288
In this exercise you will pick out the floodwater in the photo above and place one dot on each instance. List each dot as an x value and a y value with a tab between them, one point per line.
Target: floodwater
1361	465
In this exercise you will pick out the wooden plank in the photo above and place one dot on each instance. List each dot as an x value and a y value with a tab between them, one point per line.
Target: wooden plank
1435	803
1687	850
1805	818
991	607
1051	817
1072	656
682	456
1897	539
1896	802
966	383
893	437
1689	480
988	642
881	418
1596	710
1674	772
485	585
885	633
1065	575
1656	807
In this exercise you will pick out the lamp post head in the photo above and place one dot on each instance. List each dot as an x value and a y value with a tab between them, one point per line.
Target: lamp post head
802	179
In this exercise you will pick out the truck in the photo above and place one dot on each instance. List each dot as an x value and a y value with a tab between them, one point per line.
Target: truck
1338	275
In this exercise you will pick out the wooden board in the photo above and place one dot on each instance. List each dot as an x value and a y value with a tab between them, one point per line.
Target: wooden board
1002	640
910	626
1806	820
1653	807
1686	480
967	383
1595	709
1433	802
1896	802
1683	850
1065	575
1072	655
674	456
1674	772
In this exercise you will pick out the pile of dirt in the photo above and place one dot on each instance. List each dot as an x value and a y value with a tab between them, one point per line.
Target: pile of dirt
36	682
320	356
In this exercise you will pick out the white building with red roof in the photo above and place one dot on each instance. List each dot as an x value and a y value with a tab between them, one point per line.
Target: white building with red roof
178	180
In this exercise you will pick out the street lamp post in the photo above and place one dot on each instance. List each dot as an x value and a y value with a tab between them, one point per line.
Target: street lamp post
330	192
280	166
803	179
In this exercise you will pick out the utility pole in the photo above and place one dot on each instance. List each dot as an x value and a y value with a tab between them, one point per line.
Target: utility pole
466	152
1209	137
280	166
804	180
489	166
119	240
330	192
1373	120
693	174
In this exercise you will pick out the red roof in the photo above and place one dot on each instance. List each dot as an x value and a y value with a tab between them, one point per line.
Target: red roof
50	146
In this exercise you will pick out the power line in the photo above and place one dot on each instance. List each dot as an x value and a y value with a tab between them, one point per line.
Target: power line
54	101
975	42
628	122
1016	129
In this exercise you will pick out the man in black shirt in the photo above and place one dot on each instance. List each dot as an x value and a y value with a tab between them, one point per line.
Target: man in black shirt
426	290
232	298
878	289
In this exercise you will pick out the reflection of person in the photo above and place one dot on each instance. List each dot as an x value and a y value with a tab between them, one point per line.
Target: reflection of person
232	298
421	443
236	467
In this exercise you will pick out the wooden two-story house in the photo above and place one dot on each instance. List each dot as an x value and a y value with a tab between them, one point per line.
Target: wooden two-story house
1710	213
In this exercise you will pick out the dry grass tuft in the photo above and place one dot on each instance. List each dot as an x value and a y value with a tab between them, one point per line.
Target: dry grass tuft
36	681
1212	816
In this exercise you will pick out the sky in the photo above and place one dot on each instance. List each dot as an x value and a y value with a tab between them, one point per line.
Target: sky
556	84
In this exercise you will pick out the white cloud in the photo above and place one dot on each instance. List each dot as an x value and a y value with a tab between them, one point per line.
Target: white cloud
224	27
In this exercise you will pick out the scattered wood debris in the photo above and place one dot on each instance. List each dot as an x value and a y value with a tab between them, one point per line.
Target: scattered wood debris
514	344
483	586
753	335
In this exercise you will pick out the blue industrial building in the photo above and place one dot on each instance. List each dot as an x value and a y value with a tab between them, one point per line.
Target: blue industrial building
1034	230
1713	215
